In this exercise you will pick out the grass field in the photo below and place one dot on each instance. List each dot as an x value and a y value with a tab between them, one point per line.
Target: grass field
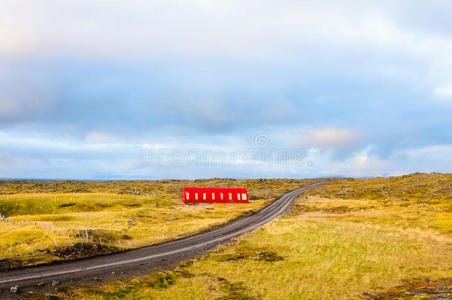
48	221
378	238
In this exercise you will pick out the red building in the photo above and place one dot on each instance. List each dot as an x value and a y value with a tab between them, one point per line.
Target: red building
214	195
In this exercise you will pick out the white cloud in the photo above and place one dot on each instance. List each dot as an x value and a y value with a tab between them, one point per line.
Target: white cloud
40	156
435	152
232	28
360	164
100	137
336	141
445	92
375	36
330	137
38	142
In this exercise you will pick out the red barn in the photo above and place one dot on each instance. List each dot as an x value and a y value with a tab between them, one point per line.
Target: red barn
214	195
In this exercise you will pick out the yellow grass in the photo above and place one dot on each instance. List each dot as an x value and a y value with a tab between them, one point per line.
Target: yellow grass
360	244
153	213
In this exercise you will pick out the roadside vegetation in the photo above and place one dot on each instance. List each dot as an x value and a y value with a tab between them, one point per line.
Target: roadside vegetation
377	238
47	221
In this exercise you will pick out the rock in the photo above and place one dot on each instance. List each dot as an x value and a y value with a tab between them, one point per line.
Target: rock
14	289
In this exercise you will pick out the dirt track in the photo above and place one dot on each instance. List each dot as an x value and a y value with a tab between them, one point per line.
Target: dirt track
148	258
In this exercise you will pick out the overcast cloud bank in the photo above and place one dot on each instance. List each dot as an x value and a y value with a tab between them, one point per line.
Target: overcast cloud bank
351	88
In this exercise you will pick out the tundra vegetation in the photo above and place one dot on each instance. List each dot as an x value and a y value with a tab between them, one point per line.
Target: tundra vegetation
47	221
375	238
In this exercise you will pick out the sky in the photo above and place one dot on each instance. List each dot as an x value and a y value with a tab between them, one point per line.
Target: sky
199	89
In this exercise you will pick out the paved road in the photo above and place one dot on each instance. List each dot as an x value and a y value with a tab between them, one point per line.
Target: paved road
149	257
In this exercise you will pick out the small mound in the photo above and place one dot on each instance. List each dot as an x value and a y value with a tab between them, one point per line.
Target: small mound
441	289
251	254
81	250
9	263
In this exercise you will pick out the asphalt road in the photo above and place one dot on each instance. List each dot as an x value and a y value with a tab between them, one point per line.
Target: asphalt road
149	257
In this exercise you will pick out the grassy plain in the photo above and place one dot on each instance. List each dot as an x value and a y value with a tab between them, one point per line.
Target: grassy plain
47	221
378	238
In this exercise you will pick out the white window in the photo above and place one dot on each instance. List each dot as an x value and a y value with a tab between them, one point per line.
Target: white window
221	196
204	196
187	196
213	196
196	196
244	196
238	196
230	196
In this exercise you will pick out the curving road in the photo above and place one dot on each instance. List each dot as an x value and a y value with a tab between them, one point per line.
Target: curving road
149	257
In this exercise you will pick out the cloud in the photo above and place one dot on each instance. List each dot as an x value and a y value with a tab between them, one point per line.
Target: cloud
444	92
38	156
340	142
253	30
100	137
436	157
330	137
361	164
